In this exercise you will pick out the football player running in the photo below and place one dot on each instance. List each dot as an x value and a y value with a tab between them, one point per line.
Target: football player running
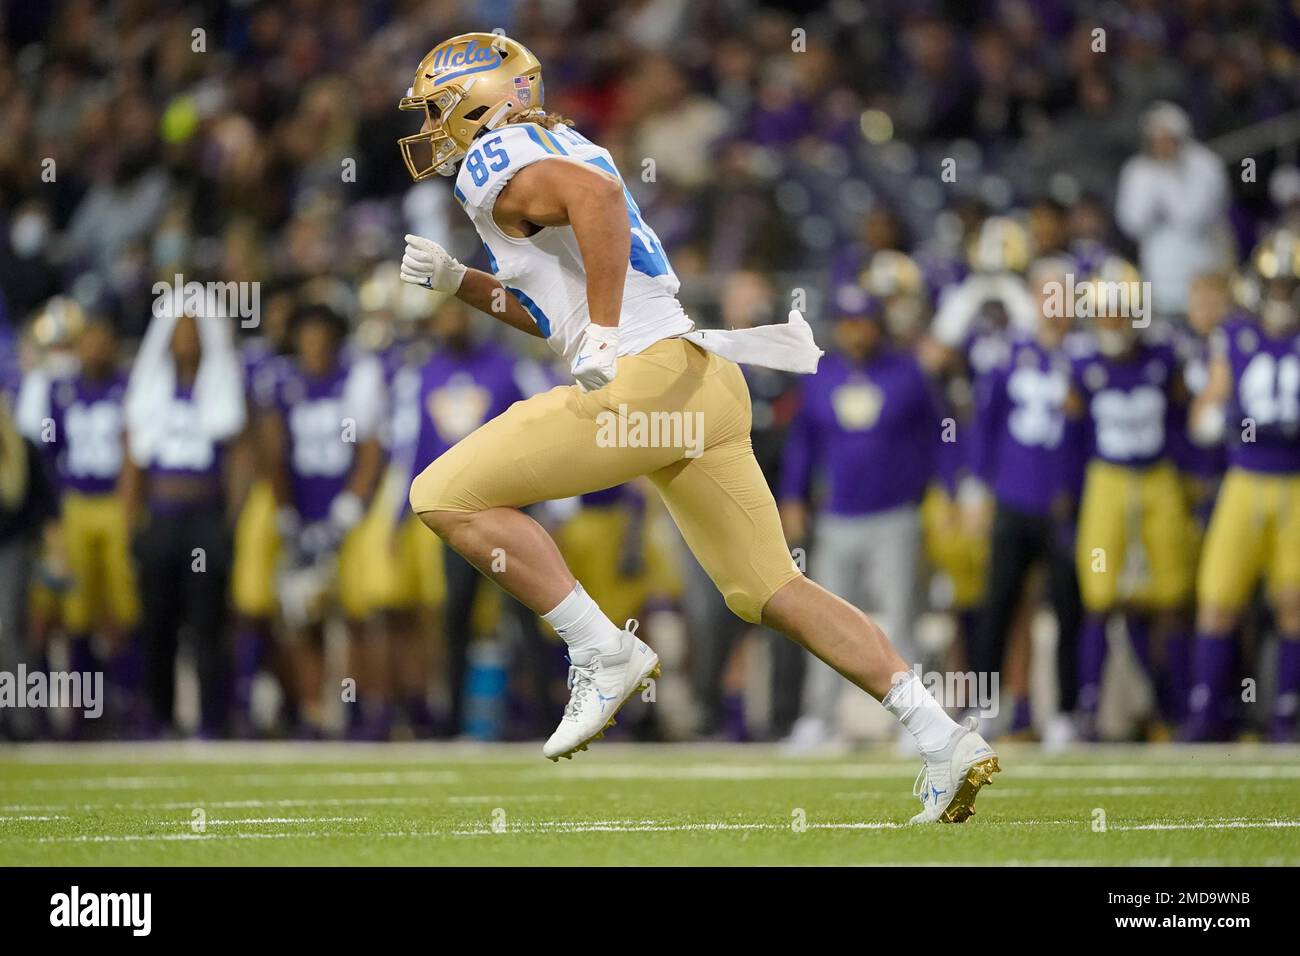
573	261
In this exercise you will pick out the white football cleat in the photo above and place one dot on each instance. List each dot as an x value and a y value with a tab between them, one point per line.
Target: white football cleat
598	690
950	780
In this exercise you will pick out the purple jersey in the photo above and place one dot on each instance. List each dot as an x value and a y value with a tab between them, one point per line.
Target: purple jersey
88	439
183	448
458	392
1266	395
262	366
869	428
988	349
1130	409
325	417
1024	448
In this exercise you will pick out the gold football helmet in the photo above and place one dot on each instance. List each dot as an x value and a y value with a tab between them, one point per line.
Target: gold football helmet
1115	295
896	279
58	322
1272	284
466	85
1001	245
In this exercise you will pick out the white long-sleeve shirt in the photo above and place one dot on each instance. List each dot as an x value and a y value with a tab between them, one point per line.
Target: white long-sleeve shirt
1177	213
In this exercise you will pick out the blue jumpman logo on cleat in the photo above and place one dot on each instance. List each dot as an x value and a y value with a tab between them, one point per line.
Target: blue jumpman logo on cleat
936	792
603	698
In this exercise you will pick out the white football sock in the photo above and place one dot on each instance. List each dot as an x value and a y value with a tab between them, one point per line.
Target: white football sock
920	713
584	627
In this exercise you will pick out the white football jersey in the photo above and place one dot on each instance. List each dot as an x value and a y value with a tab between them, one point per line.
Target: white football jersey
545	271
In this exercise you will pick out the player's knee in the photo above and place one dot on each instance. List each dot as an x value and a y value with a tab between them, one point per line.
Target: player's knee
746	604
433	498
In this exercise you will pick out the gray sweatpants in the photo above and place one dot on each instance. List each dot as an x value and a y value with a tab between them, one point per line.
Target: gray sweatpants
875	563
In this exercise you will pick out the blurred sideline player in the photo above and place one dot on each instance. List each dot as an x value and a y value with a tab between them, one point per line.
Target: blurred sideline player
467	381
1133	547
50	340
588	273
1200	468
319	435
256	546
1023	462
406	580
1252	403
184	476
77	421
868	403
979	316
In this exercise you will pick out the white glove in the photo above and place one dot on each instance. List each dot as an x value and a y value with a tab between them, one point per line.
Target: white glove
346	511
429	265
596	363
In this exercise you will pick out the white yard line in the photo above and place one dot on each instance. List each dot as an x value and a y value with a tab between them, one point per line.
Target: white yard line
143	805
347	778
614	826
1211	825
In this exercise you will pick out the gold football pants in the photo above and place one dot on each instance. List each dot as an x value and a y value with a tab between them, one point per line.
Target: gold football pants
676	414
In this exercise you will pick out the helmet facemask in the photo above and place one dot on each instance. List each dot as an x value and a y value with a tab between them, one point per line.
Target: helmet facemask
432	150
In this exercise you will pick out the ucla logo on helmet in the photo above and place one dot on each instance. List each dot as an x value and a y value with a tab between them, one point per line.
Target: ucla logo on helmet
470	55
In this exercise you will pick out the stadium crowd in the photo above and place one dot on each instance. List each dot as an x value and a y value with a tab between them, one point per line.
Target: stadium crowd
923	178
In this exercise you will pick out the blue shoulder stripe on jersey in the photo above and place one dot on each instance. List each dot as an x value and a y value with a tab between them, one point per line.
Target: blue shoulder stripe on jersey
606	165
550	137
492	260
460	196
533	135
543	323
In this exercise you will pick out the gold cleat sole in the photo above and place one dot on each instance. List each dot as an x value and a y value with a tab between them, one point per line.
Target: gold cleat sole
653	674
979	775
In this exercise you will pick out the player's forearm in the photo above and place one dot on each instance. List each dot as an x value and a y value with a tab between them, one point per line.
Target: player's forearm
130	488
366	469
486	293
599	220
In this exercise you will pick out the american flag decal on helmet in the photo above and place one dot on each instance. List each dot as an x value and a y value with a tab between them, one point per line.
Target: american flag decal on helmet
522	91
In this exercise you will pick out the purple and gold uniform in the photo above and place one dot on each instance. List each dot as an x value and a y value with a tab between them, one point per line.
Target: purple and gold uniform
592	544
1255	530
435	406
1133	544
257	541
86	442
325	418
959	554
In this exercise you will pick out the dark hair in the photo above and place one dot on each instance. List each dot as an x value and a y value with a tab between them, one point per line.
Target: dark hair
318	312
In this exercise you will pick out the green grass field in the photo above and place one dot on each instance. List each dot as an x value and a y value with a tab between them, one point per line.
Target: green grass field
283	804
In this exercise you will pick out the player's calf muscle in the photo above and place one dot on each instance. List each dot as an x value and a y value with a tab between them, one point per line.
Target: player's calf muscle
837	632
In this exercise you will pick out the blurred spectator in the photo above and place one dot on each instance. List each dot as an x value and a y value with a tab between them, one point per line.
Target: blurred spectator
1173	201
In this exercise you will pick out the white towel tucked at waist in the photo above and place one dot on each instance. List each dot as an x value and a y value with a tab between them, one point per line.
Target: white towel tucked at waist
789	347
